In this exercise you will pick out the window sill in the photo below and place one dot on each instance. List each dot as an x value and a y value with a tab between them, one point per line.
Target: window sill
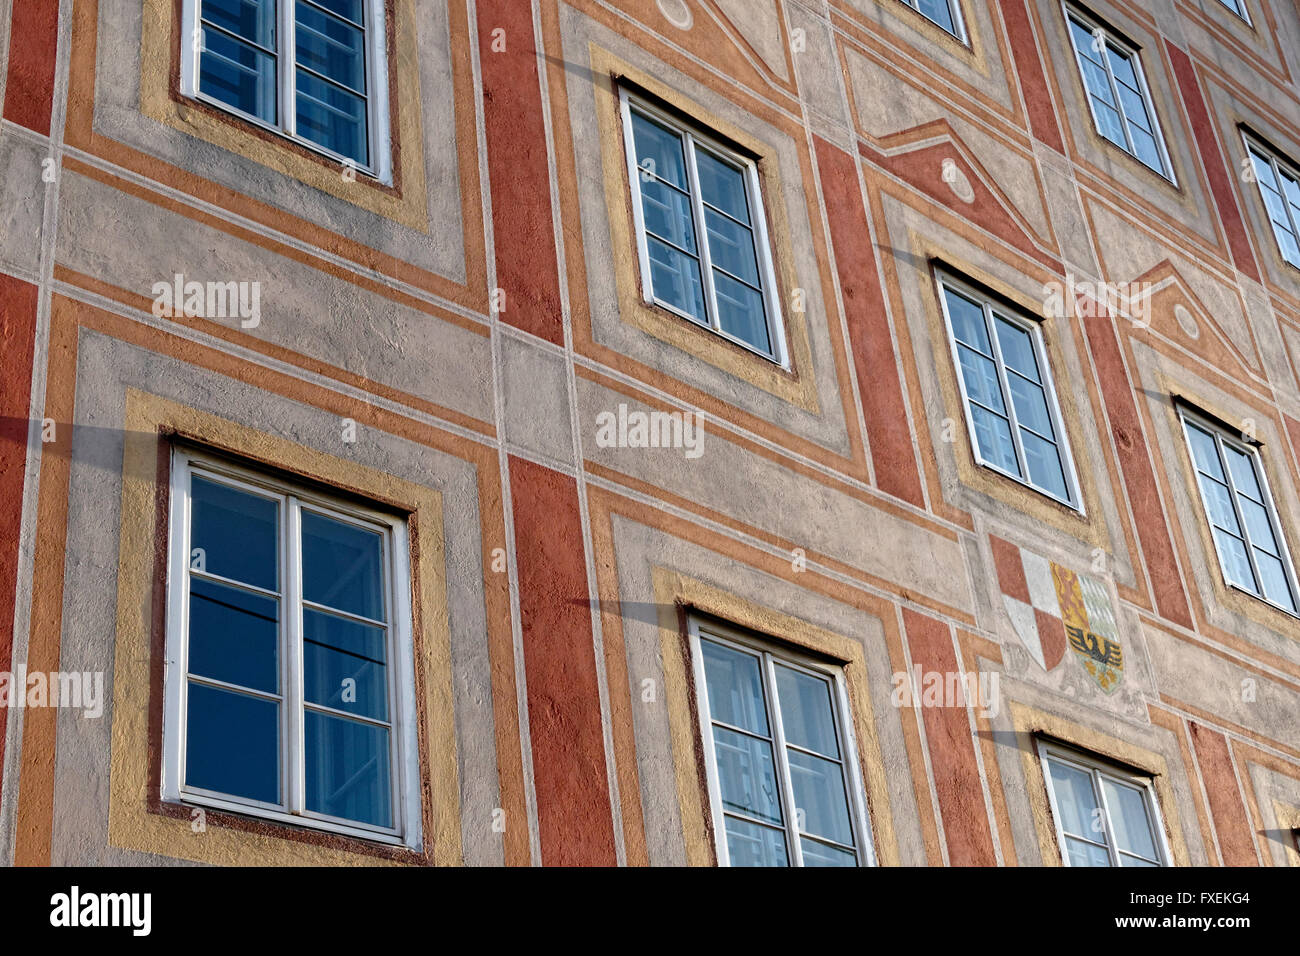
1075	510
253	823
333	160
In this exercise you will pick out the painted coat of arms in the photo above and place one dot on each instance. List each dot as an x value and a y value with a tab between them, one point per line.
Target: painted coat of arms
1054	610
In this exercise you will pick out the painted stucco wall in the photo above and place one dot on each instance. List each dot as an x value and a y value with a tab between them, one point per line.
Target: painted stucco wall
475	320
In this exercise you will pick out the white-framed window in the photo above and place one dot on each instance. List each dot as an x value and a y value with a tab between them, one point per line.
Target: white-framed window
1238	7
945	13
701	232
782	771
1105	815
1117	92
1011	406
1279	187
312	70
289	687
1253	553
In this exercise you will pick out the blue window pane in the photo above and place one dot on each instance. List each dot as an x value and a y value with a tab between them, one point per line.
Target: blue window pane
1043	461
1291	189
980	376
667	214
1076	802
675	278
819	854
1274	580
237	533
741	312
722	185
1135	110
659	150
731	247
819	795
1243	473
254	20
347	769
332	117
1121	64
1289	245
1276	206
939	12
342	566
1030	403
238	74
1264	171
1218	502
735	687
1259	529
967	322
1128	819
335	651
232	743
807	714
1085	854
993	436
747	775
1098	83
1017	349
330	47
751	845
1205	452
350	9
1144	146
1085	41
1109	124
1236	566
234	635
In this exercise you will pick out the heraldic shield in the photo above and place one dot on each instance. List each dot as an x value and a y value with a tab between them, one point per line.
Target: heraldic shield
1053	608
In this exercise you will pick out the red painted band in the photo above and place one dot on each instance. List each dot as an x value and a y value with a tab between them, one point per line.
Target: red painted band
1216	167
1029	71
518	172
1230	820
568	741
952	748
17	339
864	312
1139	479
33	43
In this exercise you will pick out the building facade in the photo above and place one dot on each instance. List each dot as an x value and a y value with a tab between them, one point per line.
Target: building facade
650	432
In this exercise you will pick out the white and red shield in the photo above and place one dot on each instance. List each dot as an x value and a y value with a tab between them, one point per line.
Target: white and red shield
1053	608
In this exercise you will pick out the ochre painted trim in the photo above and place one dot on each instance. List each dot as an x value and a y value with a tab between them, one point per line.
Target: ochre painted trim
136	821
674	590
796	385
1088	526
1031	723
406	202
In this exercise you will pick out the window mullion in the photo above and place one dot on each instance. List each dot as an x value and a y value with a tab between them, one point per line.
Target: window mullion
1119	102
1112	847
701	235
368	34
1000	364
288	61
763	257
293	693
1286	203
1241	518
785	783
